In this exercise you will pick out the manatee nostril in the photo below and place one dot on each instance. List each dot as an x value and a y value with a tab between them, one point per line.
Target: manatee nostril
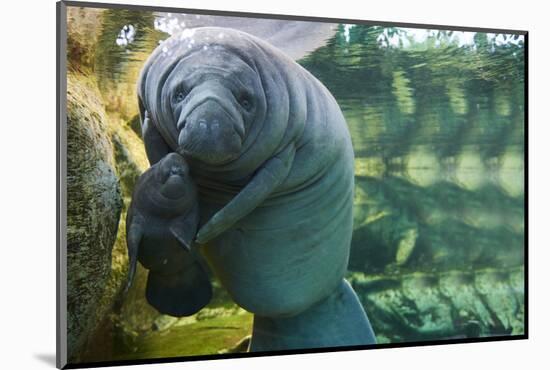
174	170
215	124
202	124
181	124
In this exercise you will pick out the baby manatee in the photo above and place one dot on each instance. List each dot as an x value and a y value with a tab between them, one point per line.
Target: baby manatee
160	227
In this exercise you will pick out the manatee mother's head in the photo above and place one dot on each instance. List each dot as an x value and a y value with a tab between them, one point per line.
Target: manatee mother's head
209	92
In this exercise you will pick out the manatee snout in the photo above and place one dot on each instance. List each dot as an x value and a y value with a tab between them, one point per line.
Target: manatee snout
174	175
213	131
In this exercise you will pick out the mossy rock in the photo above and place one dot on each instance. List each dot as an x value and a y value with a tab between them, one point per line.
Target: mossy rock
94	204
443	305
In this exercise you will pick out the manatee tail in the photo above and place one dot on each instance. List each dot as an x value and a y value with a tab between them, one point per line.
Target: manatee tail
179	294
338	320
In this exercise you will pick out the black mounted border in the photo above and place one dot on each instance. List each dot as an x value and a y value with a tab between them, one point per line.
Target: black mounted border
61	160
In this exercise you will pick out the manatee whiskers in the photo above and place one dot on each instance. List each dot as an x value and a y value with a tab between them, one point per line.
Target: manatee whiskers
199	146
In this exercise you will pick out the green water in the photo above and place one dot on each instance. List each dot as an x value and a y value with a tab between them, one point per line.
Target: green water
438	131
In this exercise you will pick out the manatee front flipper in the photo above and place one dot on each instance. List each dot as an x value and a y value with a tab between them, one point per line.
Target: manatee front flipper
134	233
184	227
180	294
156	147
271	175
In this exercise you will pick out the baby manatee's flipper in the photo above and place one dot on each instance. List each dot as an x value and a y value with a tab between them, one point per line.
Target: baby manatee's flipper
134	233
180	294
184	227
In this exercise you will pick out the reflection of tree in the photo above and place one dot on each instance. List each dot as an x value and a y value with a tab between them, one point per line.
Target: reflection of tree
111	59
437	129
442	91
117	66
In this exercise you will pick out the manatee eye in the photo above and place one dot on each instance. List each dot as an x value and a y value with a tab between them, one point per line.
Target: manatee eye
180	95
245	101
246	104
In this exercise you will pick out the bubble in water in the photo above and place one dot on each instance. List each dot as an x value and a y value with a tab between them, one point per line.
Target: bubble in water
126	35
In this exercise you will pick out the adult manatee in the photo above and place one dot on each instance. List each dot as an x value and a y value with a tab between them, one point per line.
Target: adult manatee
272	157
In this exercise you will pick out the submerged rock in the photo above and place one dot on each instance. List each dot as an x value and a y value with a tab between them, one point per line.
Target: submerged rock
164	322
93	210
443	305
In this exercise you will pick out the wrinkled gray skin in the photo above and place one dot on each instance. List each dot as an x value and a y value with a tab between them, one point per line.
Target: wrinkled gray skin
160	226
272	157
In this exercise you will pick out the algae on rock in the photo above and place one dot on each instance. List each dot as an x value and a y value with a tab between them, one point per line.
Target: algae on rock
94	205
